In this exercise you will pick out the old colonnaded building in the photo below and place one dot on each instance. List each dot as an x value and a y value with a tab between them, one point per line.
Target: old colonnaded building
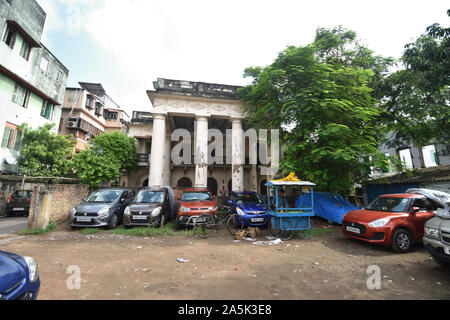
195	107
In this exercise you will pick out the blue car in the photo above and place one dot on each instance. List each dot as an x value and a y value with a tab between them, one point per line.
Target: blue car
251	209
19	277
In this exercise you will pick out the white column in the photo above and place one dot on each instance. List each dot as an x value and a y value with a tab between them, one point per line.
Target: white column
237	155
157	153
253	183
201	152
167	162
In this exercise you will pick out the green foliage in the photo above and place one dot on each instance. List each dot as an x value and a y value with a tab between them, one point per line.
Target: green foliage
51	227
168	229
43	153
92	168
112	154
119	147
322	95
417	105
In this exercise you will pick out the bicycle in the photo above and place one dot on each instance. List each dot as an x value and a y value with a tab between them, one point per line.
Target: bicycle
208	221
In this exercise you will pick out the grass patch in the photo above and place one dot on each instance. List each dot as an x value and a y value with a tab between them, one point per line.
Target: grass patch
168	229
315	232
87	231
51	227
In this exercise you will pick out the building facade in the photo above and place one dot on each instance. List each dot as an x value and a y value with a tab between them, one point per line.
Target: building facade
87	112
195	108
32	79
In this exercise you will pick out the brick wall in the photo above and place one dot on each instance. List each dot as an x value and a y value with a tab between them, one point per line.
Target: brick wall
62	198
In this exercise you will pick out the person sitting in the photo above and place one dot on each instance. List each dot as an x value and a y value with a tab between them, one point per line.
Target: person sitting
282	201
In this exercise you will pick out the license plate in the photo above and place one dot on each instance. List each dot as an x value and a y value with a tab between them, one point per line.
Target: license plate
140	217
257	220
84	219
354	230
447	250
18	209
201	220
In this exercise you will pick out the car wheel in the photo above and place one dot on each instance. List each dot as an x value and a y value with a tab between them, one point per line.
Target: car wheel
402	241
177	225
234	224
441	262
113	221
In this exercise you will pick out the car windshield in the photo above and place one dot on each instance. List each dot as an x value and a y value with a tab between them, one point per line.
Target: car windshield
108	196
148	196
248	198
389	204
21	195
197	196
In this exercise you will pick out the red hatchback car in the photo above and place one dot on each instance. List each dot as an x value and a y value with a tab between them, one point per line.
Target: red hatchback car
395	220
193	203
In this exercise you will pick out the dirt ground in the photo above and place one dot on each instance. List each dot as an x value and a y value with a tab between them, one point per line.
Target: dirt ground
327	266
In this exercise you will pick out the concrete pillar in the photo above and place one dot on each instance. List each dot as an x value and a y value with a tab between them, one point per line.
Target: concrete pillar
237	155
201	152
167	162
157	153
253	183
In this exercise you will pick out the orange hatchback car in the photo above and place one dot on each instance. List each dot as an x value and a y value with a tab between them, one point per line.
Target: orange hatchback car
193	203
395	220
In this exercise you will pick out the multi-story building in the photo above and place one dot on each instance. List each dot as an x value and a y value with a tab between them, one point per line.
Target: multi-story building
32	79
87	112
196	107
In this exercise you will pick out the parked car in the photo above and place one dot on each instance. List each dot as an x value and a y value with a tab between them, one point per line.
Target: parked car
193	203
19	277
102	208
249	206
19	203
437	230
395	220
153	206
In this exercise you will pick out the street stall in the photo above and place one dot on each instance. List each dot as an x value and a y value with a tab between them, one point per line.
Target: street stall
285	221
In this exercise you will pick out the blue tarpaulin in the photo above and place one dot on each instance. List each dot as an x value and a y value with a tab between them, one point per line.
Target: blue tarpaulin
327	205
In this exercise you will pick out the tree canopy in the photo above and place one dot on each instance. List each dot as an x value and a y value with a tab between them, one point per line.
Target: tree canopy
322	94
417	105
111	155
43	153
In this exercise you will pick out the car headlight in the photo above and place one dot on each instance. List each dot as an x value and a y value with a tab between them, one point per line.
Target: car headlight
127	211
432	233
33	268
379	223
240	212
103	212
73	211
156	211
184	209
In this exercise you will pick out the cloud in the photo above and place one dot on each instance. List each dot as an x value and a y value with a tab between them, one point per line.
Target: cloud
214	41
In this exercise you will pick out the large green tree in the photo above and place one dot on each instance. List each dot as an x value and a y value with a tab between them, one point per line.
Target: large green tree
322	96
110	155
44	153
417	106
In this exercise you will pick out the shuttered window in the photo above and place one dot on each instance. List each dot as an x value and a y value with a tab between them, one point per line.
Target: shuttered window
9	37
20	95
12	137
47	110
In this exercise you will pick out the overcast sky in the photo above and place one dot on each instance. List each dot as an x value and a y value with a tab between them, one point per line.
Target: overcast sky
128	44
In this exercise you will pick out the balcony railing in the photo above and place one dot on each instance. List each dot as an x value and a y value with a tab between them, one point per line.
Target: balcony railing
144	158
200	89
142	116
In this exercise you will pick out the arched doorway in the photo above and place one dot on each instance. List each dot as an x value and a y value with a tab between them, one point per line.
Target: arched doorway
263	188
184	183
145	183
212	186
